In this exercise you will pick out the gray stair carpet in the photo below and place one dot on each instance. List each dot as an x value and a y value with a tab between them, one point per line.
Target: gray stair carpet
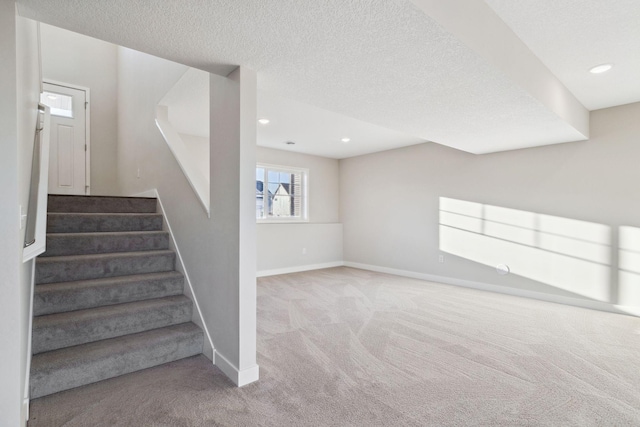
101	204
105	242
93	266
65	222
61	297
108	300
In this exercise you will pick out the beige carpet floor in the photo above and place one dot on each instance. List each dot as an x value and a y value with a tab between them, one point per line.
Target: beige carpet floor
346	347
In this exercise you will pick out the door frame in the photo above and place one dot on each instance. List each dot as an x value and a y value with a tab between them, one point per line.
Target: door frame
87	128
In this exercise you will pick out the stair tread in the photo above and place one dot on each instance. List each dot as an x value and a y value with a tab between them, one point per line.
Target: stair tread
71	356
89	314
108	233
82	196
66	268
95	214
54	331
71	367
72	203
95	242
83	284
61	297
87	222
67	258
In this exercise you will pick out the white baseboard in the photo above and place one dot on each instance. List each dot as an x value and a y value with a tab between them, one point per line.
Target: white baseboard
239	377
210	353
25	412
559	299
297	269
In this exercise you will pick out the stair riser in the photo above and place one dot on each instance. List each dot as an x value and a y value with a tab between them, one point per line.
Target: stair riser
90	223
50	301
70	333
98	243
69	270
47	379
100	204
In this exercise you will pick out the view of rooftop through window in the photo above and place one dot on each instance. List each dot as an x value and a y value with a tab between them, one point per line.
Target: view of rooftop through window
279	193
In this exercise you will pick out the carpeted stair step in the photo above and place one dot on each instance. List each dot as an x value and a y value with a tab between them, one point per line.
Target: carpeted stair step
55	331
59	244
79	295
108	300
71	367
84	267
58	203
60	222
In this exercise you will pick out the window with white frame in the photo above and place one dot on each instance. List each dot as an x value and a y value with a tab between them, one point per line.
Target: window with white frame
281	193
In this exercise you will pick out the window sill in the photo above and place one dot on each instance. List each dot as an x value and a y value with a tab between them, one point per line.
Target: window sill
282	221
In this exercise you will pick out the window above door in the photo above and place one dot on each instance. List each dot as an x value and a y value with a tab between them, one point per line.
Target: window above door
61	105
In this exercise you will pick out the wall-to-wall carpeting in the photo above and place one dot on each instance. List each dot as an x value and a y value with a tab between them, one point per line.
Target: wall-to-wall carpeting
346	347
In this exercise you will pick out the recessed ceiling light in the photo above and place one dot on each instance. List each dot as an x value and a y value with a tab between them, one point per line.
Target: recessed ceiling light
52	97
290	143
345	140
598	69
263	121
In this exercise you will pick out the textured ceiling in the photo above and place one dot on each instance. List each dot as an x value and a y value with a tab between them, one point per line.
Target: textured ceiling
319	132
306	125
378	61
571	36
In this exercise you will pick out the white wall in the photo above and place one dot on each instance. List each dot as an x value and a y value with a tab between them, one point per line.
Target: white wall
188	103
184	155
390	211
214	250
76	59
233	241
183	118
142	81
198	149
28	92
280	246
10	316
19	88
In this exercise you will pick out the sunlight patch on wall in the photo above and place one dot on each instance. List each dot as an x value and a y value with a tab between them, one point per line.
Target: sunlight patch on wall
561	252
629	266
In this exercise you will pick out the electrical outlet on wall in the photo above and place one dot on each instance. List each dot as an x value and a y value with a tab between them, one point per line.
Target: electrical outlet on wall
441	258
304	251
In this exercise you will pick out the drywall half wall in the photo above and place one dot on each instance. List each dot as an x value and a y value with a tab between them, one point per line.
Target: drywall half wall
198	152
218	252
10	252
183	119
563	218
75	59
28	92
19	91
288	247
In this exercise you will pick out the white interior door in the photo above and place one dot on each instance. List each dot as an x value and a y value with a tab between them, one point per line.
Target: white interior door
68	143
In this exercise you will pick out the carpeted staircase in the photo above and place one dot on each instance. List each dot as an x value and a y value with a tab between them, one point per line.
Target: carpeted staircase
107	300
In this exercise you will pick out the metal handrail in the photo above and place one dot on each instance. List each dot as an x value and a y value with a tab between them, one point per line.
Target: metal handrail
32	207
